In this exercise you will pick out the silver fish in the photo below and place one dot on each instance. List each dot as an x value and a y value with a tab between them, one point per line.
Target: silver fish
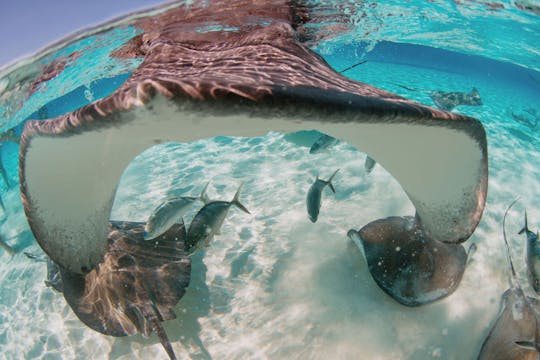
369	164
169	213
314	196
322	143
208	221
6	248
533	257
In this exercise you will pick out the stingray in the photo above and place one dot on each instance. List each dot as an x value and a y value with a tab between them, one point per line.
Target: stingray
134	288
448	100
516	332
251	74
410	267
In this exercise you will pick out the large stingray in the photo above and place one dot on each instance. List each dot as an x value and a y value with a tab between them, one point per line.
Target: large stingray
516	332
239	68
136	285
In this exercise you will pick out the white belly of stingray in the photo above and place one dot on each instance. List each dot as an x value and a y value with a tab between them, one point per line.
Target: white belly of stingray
71	178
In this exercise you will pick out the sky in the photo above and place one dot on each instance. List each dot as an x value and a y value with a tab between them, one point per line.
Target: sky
28	25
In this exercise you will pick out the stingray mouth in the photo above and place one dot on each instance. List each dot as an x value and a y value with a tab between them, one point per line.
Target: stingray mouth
244	83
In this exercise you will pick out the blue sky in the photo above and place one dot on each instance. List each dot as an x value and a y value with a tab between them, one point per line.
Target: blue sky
28	25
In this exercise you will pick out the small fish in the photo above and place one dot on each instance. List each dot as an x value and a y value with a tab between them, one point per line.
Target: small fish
533	257
34	257
314	196
54	278
169	213
208	221
369	164
322	143
8	249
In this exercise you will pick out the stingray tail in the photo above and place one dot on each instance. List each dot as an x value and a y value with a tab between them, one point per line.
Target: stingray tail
329	181
525	227
513	278
353	66
235	201
151	316
163	338
409	88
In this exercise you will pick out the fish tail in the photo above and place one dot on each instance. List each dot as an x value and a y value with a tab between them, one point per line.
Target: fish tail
470	253
525	227
204	196
329	181
235	201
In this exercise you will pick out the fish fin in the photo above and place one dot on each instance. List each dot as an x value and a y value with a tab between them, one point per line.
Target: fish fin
329	181
181	222
237	203
145	235
525	227
355	238
470	253
204	196
332	187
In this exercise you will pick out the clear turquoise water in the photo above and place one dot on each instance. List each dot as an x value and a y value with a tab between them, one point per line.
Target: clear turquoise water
273	285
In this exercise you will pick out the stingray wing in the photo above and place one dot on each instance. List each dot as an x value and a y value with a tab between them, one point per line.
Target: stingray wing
241	82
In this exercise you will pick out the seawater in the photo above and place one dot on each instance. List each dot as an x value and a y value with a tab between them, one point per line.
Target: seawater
273	285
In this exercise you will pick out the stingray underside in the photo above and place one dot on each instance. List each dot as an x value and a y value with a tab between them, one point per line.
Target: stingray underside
256	78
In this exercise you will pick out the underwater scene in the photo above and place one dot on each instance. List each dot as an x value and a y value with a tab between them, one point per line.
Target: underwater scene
276	180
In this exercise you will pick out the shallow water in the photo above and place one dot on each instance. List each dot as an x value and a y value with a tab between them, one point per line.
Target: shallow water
274	285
